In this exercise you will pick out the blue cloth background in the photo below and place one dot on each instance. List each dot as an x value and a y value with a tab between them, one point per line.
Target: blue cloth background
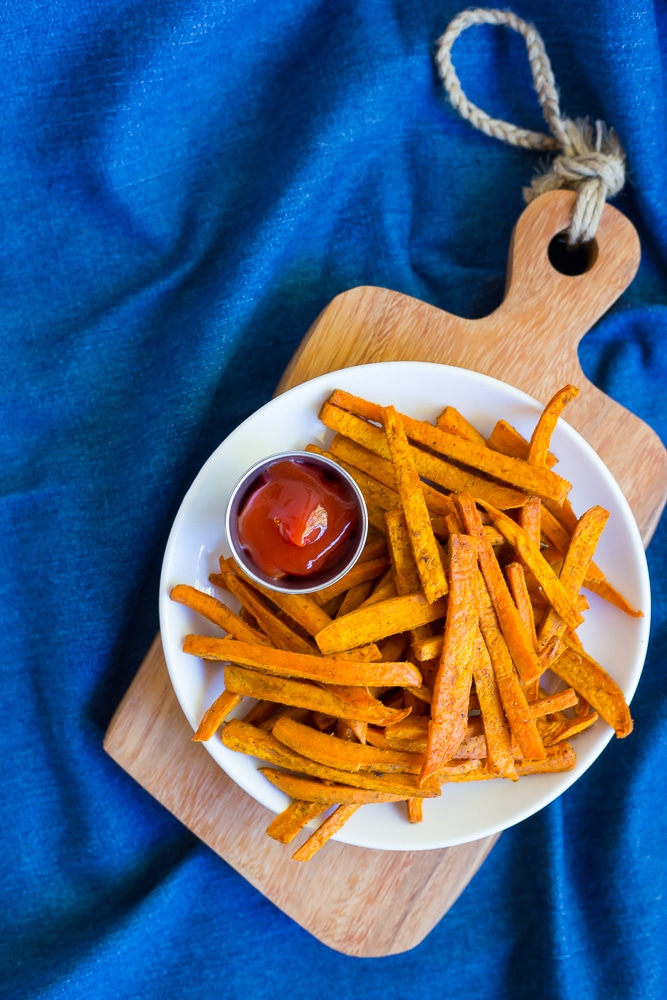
184	187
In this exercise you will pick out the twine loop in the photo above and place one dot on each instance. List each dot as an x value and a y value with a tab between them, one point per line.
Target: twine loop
589	158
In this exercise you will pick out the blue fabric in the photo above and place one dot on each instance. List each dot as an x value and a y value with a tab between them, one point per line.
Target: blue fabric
184	187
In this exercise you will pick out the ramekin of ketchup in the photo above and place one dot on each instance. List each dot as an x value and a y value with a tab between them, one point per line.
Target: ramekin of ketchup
296	522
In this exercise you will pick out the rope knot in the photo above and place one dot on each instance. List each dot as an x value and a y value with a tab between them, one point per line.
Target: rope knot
592	163
589	160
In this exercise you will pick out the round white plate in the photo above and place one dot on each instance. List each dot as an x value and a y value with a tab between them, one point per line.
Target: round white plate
464	812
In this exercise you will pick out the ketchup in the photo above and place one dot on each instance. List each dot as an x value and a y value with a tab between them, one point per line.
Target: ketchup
296	519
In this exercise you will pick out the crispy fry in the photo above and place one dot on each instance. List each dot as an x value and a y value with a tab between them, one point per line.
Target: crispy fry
215	611
559	597
524	729
291	820
370	569
329	827
538	449
529	517
301	607
301	665
343	754
453	422
353	455
314	790
303	694
247	739
516	636
498	744
582	673
216	714
371	624
576	565
507	439
604	589
354	598
415	810
278	631
449	710
554	703
422	540
403	562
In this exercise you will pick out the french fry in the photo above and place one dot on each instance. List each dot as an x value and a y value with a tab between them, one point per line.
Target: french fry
538	449
301	607
314	790
586	676
303	694
281	634
354	597
516	636
559	597
215	611
575	565
415	810
247	739
370	569
301	665
449	710
507	439
403	563
452	421
292	820
523	726
398	614
343	754
215	715
331	825
353	455
422	540
498	743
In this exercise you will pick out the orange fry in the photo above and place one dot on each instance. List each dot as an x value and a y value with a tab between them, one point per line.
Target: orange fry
422	540
539	443
215	611
398	614
516	635
314	790
343	754
496	731
582	673
303	694
449	710
216	714
331	825
291	820
531	556
302	665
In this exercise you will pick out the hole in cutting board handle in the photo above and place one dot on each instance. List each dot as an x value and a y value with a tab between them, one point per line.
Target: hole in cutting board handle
572	261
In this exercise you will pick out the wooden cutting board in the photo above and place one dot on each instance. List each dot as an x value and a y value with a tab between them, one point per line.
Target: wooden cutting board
373	903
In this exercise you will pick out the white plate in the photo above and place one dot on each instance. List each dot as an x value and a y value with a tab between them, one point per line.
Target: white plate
464	812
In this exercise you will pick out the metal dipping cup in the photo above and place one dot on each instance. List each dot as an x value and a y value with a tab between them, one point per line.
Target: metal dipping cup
349	552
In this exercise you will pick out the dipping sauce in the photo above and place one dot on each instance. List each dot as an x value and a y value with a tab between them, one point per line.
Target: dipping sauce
296	519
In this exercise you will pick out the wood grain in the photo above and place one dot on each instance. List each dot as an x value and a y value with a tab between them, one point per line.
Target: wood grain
373	903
